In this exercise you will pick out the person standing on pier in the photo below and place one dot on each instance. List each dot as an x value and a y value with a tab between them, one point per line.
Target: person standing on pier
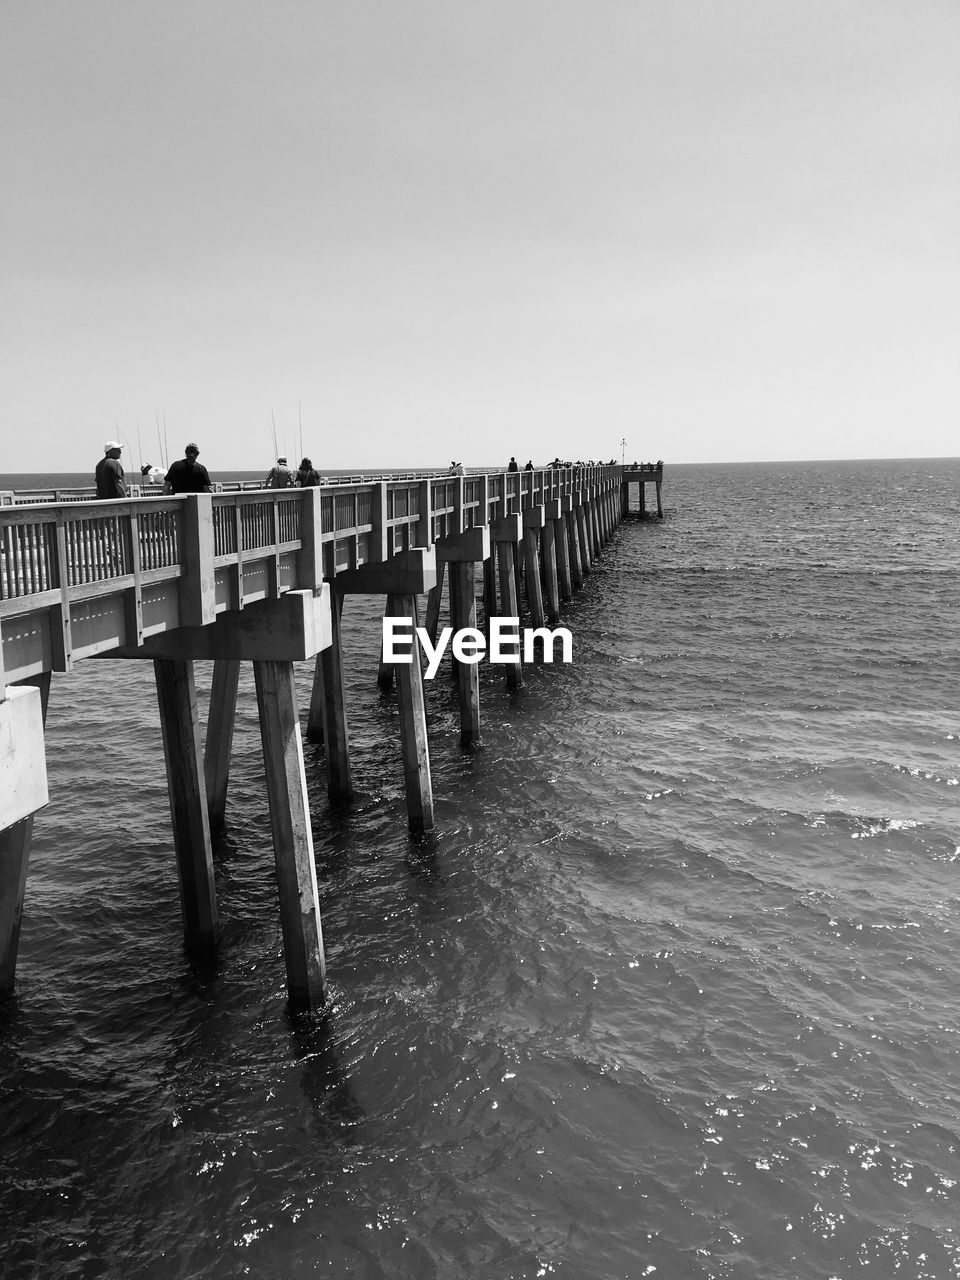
280	476
109	472
513	465
187	475
307	476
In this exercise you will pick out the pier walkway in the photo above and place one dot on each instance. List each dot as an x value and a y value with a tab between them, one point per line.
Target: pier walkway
261	576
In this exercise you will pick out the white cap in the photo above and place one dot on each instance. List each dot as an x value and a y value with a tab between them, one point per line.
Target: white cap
112	444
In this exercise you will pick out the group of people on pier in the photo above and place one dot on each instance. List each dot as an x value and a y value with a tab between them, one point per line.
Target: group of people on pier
186	475
282	477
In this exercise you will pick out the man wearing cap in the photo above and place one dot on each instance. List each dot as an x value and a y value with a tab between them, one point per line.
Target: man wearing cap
280	476
187	475
109	472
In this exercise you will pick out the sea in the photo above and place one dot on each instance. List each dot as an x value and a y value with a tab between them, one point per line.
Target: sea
671	991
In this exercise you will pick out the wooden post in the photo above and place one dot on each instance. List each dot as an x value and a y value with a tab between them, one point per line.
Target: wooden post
463	613
180	726
489	591
315	714
292	838
586	560
432	623
548	552
562	552
643	499
14	860
593	527
509	602
573	546
334	710
216	752
658	483
413	729
531	566
385	669
198	593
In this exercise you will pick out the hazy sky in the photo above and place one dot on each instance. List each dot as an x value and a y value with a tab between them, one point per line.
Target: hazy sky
721	229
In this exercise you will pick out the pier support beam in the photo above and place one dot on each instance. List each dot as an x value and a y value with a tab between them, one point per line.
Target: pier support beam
533	521
434	596
407	573
573	546
548	555
489	590
583	538
14	860
505	535
180	726
413	728
555	514
23	713
292	837
219	743
328	690
385	669
462	552
315	713
603	514
594	525
463	613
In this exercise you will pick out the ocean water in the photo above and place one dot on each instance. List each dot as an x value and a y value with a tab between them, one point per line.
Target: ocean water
671	992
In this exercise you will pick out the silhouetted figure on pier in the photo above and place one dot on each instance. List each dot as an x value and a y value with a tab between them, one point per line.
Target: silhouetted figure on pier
513	465
280	476
529	466
109	472
187	475
307	477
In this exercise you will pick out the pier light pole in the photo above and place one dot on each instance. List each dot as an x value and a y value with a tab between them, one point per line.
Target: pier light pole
623	450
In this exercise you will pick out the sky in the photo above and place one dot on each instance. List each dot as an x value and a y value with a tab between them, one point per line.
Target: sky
410	231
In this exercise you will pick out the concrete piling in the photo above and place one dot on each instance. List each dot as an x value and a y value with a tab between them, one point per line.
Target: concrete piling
463	613
186	787
219	742
292	836
413	729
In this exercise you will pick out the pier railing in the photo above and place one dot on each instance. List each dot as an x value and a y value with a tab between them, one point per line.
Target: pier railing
86	576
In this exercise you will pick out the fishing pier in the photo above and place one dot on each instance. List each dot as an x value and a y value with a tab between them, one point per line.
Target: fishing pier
634	479
261	576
